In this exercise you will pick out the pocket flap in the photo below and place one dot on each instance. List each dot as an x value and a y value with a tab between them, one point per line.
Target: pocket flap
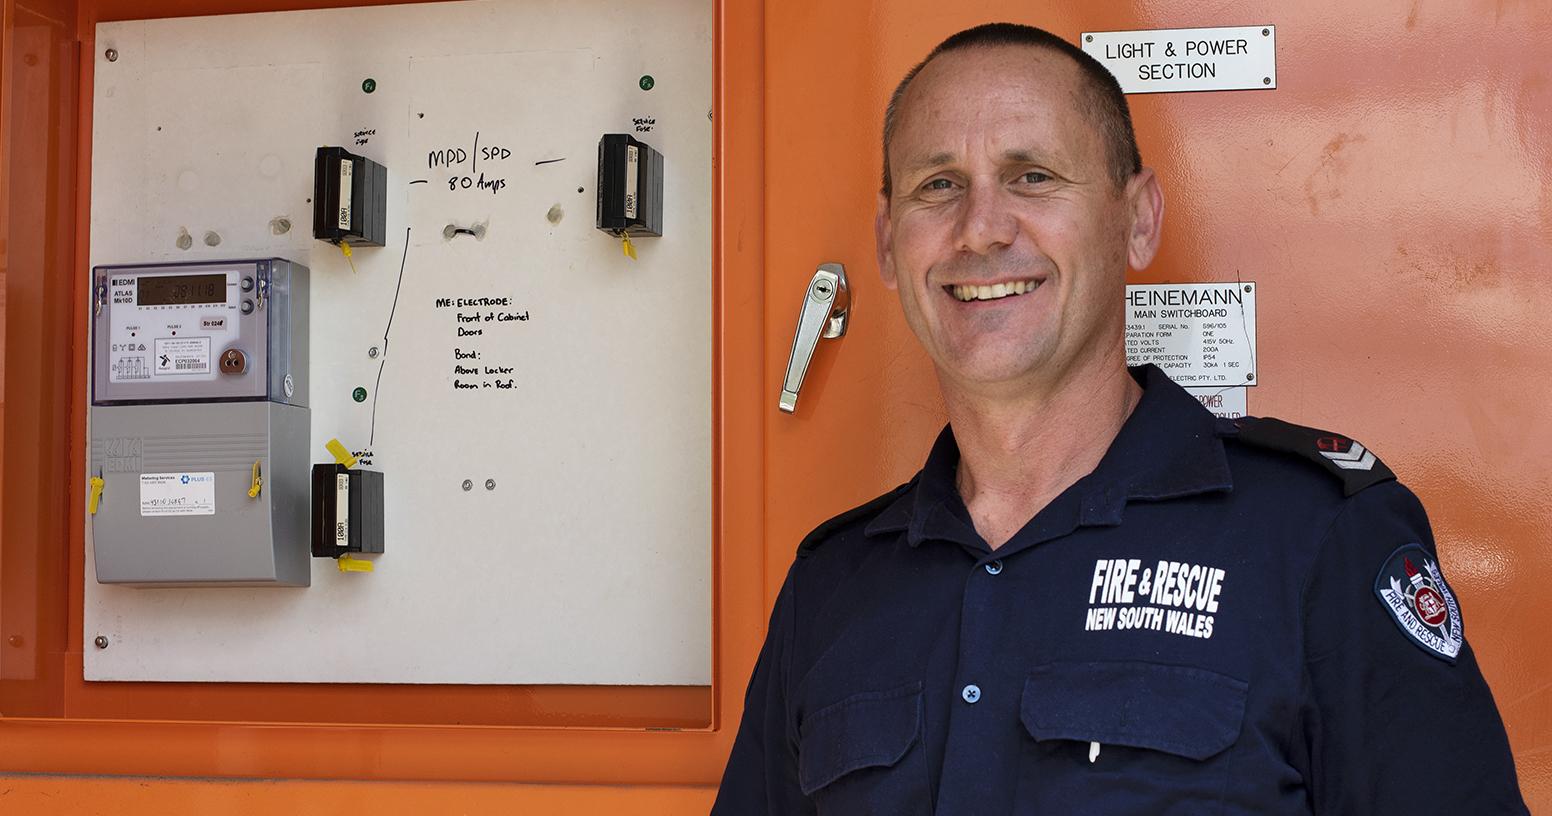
1189	712
871	729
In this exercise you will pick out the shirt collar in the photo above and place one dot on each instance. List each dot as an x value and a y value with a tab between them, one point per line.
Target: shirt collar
1168	448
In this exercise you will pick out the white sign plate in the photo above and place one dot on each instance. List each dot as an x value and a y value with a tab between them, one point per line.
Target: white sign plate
1225	403
1238	58
178	494
181	355
1200	334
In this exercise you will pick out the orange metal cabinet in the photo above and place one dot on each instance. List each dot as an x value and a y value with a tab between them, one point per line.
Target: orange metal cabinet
558	743
1390	197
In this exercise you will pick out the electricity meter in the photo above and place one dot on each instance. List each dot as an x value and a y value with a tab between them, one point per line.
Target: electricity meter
199	424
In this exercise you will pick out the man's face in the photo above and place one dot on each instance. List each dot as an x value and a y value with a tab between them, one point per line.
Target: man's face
1005	234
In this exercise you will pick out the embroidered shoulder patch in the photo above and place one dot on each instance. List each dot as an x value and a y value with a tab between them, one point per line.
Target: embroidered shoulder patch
1412	589
1345	458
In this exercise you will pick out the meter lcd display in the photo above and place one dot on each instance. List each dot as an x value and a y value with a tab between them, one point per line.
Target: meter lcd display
173	290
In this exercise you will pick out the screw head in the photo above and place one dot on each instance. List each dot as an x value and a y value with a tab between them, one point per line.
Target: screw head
101	641
368	85
1250	378
1088	37
112	54
372	352
468	484
289	386
1247	287
490	484
359	395
647	83
1266	80
1266	32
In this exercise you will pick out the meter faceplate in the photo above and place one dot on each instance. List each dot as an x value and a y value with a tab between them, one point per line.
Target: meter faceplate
200	331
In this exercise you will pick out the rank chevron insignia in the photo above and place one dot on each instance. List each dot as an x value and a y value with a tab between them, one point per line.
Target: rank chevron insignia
1347	454
1355	465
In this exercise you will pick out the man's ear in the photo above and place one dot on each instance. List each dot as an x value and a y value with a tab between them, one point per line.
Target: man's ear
883	235
1146	200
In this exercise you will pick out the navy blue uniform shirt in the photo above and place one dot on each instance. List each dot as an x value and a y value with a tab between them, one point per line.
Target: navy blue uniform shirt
1206	624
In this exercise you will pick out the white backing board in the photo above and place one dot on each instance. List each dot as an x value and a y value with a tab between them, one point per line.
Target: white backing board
588	558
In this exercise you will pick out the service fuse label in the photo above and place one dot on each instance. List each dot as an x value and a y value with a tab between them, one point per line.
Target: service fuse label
1200	334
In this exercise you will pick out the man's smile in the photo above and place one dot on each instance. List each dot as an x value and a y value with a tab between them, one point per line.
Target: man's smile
996	291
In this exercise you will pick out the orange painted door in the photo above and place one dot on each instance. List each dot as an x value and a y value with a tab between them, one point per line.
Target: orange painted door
1392	198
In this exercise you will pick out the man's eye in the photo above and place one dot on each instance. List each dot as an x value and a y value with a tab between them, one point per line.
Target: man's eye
1034	177
938	184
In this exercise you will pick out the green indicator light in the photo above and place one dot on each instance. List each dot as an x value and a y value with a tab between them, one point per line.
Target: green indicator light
647	82
359	395
369	84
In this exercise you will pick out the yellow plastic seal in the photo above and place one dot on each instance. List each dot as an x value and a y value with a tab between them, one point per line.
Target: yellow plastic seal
96	496
348	564
627	247
345	248
258	482
341	453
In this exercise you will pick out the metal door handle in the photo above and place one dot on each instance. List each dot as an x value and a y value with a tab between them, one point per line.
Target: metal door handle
826	305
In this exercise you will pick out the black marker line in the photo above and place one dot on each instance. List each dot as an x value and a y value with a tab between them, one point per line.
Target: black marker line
475	156
396	288
372	434
418	181
549	161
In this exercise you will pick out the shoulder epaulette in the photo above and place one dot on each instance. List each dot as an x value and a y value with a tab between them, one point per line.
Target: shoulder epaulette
1343	457
872	508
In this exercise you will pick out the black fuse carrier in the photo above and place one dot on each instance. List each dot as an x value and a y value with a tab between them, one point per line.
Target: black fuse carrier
350	198
630	187
347	511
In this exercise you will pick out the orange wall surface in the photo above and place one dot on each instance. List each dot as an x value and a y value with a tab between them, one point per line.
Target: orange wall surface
1392	198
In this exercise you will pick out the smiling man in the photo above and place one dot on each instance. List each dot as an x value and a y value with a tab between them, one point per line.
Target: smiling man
1095	597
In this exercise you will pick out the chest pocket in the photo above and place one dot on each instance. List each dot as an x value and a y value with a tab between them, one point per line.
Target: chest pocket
864	755
1164	734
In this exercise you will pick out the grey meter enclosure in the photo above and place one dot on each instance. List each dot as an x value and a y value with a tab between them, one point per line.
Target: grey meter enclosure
200	424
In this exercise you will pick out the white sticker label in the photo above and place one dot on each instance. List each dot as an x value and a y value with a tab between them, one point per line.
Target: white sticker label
347	169
1225	403
1200	334
632	178
1188	59
177	494
181	355
342	510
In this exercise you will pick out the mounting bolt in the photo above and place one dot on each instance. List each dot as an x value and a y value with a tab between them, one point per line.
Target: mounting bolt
468	484
372	353
1250	378
1266	80
112	54
490	484
1088	37
1247	287
101	641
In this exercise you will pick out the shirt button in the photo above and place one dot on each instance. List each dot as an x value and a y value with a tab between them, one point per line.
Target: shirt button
993	568
971	694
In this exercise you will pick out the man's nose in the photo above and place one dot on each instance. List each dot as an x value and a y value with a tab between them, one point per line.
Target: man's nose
985	222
